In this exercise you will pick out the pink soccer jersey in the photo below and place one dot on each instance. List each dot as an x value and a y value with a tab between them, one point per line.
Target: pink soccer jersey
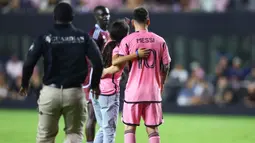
111	84
144	77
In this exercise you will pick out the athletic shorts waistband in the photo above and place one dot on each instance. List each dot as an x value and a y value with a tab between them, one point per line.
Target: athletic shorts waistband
132	102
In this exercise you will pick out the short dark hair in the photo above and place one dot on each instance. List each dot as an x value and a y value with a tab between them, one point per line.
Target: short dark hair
63	12
141	15
100	7
118	30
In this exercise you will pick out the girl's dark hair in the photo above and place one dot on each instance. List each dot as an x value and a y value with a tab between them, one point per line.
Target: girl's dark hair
118	30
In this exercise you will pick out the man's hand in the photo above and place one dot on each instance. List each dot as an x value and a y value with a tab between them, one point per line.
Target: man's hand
96	92
23	91
143	52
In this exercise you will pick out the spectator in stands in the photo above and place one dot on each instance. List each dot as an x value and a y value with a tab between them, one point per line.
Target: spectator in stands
14	67
132	4
250	99
89	5
3	86
3	4
220	69
177	79
185	96
214	5
19	6
11	5
197	70
223	92
46	5
197	90
229	87
184	5
179	73
236	75
236	72
195	93
221	5
201	5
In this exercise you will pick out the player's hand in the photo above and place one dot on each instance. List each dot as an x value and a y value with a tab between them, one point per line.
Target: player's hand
96	92
143	52
23	91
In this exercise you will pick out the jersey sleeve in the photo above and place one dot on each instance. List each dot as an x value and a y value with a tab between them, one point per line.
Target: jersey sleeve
115	51
33	55
124	48
166	59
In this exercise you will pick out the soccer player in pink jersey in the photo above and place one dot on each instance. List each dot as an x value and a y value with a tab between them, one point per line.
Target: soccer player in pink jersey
106	105
146	78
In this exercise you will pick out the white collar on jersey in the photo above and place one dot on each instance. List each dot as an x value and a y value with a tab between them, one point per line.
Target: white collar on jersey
98	27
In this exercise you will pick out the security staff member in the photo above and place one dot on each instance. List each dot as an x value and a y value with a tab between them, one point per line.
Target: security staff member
64	49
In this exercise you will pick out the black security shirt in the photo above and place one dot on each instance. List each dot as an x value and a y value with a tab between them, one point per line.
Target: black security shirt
64	49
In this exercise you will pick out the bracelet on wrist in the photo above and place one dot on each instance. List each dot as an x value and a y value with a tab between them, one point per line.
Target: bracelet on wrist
137	54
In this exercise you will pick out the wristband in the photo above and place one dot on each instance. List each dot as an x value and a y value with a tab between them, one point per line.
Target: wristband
137	53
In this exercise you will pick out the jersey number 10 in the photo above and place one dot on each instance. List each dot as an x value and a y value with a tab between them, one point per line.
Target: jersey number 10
145	61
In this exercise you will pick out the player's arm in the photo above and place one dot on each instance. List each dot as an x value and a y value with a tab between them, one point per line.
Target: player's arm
164	74
140	53
165	65
33	55
95	57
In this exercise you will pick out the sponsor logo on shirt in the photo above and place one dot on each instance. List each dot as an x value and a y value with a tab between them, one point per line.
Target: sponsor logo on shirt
64	39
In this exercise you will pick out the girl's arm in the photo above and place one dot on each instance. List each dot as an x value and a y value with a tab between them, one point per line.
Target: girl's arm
112	69
141	53
119	61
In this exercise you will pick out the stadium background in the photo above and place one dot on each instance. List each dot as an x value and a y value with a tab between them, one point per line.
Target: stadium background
211	43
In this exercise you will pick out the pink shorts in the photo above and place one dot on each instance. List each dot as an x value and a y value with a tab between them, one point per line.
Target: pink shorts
150	112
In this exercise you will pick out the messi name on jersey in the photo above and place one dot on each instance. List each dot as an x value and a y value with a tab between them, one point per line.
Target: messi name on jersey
145	40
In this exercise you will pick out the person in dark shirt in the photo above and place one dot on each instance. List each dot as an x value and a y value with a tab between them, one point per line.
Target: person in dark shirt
64	50
100	34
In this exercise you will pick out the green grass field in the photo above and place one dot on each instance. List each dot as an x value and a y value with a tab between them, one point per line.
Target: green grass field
19	126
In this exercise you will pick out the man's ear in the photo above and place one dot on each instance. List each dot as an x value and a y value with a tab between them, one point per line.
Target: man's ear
133	22
148	22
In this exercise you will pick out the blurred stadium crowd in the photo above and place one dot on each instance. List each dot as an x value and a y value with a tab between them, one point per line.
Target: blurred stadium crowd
127	5
230	84
10	79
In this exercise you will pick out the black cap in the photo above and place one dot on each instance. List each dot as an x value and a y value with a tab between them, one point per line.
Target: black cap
63	12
